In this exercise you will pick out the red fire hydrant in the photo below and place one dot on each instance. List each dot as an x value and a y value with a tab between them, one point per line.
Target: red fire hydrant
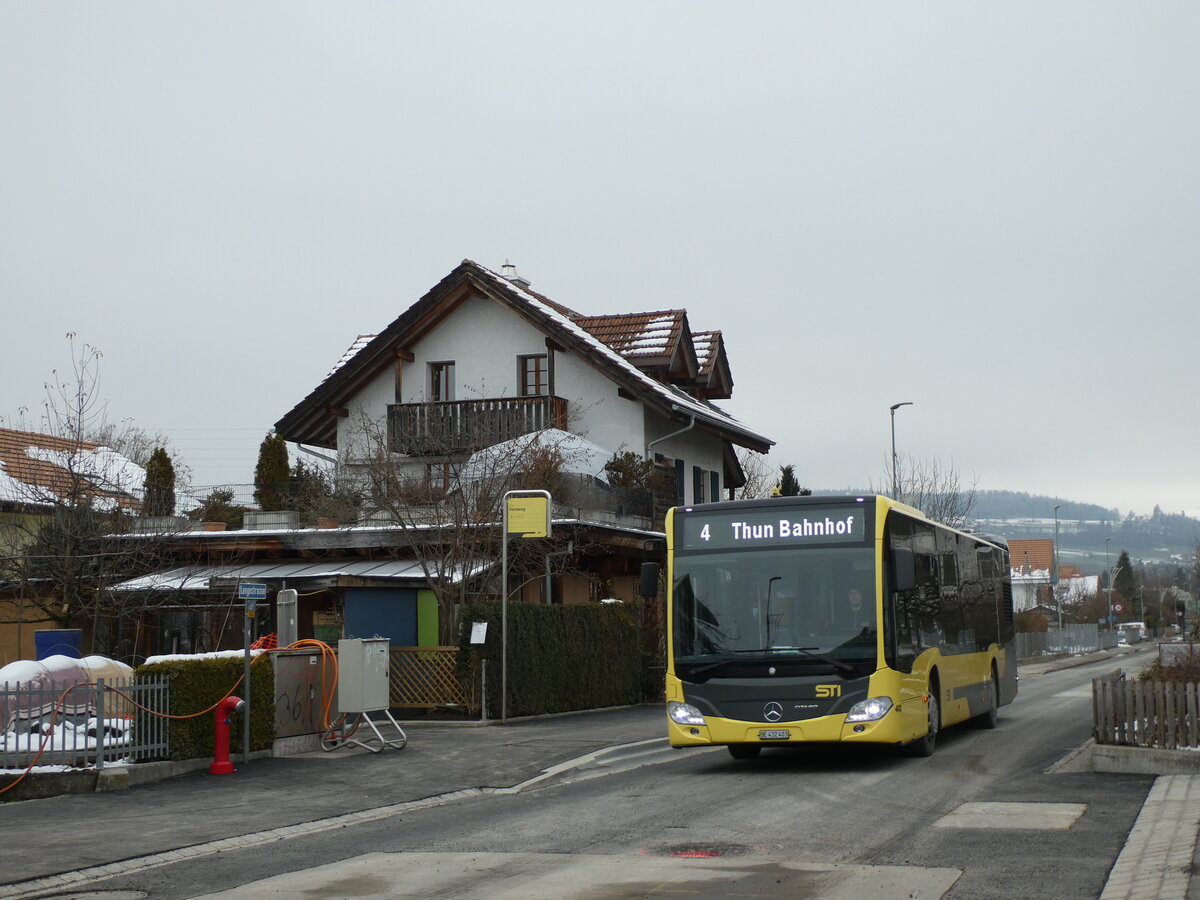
225	709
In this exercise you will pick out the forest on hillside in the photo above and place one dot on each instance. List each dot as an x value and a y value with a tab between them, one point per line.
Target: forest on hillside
1155	535
1016	505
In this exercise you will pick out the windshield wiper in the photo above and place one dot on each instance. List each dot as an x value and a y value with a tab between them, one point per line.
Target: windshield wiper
807	651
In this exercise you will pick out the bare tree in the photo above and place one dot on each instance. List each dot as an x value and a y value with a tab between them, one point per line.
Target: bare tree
760	475
447	504
60	549
933	487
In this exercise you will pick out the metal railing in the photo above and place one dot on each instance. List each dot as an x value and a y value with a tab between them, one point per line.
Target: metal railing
1070	639
88	725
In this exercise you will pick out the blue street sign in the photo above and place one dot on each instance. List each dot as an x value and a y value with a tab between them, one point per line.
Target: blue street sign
249	590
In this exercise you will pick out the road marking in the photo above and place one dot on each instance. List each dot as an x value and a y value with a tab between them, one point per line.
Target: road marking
509	876
81	877
1038	816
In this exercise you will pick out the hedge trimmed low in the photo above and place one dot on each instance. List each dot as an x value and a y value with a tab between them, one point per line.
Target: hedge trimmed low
560	658
197	684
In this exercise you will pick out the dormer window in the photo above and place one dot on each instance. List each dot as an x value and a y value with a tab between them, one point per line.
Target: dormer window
441	381
534	375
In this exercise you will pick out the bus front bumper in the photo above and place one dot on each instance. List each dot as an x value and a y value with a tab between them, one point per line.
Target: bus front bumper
825	729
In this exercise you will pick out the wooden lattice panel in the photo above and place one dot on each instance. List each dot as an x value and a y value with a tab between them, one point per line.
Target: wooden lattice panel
424	677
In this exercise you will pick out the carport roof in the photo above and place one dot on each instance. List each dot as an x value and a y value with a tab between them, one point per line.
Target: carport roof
203	578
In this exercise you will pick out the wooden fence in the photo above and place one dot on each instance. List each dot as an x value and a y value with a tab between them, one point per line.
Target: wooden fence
425	677
1161	714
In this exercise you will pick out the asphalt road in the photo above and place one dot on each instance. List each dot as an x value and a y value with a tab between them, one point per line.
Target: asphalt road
985	817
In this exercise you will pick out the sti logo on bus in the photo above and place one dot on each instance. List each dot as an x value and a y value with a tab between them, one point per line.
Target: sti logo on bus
770	528
829	690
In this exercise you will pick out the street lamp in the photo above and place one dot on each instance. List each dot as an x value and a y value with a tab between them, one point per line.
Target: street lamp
1054	573
895	484
1109	571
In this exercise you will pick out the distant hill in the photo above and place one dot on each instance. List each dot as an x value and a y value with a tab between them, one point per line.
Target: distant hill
1086	528
1015	505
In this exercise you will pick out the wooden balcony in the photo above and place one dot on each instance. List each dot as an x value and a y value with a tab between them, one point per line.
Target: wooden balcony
439	429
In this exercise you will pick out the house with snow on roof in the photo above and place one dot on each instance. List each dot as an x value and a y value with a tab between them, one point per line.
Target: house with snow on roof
482	359
41	476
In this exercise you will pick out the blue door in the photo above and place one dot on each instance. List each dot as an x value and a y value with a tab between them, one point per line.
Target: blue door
386	612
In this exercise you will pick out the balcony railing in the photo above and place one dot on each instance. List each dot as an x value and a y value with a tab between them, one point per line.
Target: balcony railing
427	429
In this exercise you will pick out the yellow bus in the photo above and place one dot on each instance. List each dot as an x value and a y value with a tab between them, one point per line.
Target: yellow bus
832	619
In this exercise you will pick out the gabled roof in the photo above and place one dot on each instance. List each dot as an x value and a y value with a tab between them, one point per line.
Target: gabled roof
656	342
1033	555
47	470
313	420
714	381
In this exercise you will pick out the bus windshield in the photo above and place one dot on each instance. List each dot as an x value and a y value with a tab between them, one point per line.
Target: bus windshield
818	602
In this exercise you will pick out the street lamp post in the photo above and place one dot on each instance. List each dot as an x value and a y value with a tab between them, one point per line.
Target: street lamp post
895	484
1109	571
1054	574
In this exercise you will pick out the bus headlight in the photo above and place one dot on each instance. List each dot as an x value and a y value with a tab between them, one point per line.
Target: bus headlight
684	713
869	710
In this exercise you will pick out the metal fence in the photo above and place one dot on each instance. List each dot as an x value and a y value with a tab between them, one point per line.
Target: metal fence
1160	714
86	726
1069	639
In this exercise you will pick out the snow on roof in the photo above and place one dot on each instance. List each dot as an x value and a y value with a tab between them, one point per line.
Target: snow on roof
579	455
359	342
43	469
672	395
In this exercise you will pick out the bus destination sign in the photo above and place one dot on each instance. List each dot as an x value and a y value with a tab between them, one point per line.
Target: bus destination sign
748	529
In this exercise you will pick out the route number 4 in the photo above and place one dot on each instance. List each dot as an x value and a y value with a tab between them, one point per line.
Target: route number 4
704	533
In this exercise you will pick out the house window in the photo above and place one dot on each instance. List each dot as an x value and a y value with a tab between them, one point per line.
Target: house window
441	381
697	484
714	483
534	375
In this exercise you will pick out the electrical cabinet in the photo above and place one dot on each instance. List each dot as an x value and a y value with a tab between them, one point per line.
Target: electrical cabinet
364	665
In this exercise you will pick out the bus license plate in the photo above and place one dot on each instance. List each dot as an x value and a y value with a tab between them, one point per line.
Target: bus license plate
778	734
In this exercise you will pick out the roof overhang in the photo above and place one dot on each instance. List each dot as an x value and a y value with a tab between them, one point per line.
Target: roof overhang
326	573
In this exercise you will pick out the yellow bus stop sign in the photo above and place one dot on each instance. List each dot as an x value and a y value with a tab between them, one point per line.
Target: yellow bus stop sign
529	517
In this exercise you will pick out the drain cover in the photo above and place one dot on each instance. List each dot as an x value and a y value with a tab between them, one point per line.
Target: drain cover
697	851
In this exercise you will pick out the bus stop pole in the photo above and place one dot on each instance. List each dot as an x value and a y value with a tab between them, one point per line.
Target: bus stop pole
504	614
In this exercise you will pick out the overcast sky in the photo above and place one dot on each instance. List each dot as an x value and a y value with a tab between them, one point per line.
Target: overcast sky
989	210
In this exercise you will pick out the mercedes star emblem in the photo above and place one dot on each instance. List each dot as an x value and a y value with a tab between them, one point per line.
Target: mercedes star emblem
773	712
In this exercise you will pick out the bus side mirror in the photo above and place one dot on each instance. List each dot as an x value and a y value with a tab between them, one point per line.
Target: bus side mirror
904	569
648	587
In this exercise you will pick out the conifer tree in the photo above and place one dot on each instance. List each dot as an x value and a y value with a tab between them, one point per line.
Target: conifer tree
272	475
788	485
160	484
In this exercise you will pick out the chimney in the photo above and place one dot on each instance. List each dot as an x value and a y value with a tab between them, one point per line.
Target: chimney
509	271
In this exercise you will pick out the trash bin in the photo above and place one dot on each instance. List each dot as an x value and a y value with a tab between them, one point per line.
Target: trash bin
58	642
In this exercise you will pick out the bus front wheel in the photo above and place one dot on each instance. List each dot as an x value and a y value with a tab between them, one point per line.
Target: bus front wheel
744	751
923	746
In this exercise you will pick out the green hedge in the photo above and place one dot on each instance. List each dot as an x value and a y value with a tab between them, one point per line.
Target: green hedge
560	658
197	684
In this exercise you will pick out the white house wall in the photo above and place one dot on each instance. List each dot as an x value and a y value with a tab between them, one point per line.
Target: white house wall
695	447
484	339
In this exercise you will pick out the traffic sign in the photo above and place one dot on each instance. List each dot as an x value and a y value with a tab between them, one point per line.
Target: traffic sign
1117	608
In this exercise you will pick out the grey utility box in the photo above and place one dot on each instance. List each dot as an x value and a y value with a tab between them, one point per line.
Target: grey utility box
363	683
285	617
